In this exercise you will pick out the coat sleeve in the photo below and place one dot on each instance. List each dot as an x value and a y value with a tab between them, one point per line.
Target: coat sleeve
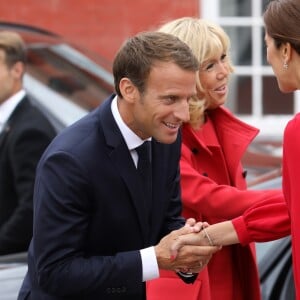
265	221
209	201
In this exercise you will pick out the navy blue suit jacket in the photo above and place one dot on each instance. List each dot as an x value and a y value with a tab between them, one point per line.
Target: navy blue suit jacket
23	140
89	218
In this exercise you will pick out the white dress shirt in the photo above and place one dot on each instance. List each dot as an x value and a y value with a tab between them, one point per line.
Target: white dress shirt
8	106
149	261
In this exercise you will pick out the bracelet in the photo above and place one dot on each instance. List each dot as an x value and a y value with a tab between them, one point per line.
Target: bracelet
207	236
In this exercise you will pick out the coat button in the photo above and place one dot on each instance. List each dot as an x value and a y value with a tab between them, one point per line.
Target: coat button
195	151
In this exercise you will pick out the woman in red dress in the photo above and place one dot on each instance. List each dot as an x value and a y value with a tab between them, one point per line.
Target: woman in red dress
282	38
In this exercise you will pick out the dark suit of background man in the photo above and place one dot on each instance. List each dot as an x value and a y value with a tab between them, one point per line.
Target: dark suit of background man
24	135
94	236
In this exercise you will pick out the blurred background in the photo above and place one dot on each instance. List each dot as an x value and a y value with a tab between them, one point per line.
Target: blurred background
102	25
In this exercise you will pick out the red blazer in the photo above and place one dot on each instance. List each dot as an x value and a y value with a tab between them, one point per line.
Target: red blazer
213	190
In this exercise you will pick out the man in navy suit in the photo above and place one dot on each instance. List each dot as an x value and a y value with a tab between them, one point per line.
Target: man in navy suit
24	134
94	236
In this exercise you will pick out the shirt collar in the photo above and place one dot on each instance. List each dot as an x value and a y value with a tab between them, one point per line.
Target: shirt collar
131	139
8	106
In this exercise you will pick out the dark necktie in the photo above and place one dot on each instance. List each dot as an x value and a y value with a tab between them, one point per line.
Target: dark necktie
145	171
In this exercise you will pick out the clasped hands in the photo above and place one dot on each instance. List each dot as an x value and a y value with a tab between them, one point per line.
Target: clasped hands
186	250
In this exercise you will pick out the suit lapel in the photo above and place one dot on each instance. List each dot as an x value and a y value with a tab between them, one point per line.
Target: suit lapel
121	158
13	118
4	133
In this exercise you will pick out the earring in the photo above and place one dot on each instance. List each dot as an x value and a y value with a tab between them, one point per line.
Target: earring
285	66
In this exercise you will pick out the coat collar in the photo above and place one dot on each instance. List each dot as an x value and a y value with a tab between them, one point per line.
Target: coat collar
234	135
228	128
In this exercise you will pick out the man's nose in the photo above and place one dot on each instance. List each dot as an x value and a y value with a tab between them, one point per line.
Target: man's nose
182	111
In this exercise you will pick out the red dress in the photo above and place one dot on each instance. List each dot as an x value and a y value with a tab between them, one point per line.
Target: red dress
214	190
291	189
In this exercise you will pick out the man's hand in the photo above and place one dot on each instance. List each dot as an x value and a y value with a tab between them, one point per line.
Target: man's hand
184	249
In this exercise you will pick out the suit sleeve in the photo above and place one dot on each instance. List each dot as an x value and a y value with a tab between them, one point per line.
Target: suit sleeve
25	148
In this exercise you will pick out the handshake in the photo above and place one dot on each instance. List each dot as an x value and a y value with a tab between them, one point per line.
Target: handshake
186	250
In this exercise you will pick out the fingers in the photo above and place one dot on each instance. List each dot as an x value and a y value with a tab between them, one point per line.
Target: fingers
176	233
163	253
197	226
184	248
190	222
197	268
187	239
193	258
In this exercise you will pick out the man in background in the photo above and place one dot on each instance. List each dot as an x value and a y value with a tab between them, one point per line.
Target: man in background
24	135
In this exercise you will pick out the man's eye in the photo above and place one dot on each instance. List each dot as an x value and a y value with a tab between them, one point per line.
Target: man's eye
170	99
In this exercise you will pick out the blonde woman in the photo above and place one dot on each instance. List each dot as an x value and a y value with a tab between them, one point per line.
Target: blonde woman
213	180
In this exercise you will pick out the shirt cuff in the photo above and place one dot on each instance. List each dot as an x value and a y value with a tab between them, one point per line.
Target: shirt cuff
149	263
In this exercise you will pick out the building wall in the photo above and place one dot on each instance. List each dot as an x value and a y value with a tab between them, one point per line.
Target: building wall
100	25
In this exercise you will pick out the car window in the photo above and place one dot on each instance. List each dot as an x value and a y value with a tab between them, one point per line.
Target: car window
55	66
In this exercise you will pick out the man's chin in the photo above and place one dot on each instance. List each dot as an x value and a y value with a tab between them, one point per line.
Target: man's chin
170	139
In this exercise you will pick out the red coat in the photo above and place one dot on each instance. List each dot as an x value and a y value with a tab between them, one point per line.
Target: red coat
291	189
213	190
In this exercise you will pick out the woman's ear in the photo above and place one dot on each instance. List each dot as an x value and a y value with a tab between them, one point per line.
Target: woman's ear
286	52
128	90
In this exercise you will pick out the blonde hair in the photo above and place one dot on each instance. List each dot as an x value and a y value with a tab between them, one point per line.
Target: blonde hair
205	40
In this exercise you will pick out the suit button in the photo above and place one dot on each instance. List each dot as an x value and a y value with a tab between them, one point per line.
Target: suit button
108	290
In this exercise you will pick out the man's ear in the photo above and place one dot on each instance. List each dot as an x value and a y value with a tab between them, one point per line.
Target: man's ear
17	70
128	90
